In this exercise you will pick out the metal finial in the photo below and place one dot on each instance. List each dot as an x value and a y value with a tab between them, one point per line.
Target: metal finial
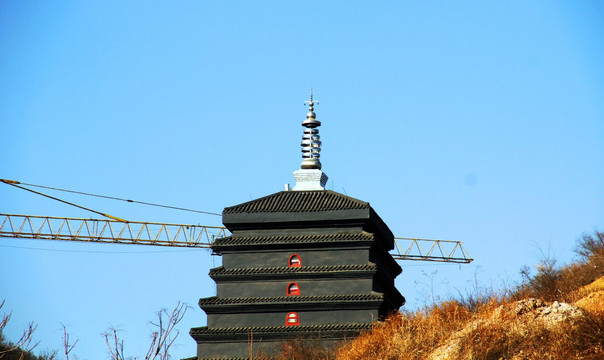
311	102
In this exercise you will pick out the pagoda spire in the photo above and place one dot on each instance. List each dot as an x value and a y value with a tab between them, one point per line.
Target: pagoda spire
311	141
310	176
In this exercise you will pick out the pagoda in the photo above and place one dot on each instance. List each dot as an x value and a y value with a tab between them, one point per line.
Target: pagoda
304	263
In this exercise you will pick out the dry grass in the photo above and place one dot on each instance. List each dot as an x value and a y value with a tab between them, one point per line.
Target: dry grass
408	335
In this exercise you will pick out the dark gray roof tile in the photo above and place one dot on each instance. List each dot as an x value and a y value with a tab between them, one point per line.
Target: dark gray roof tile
291	239
298	201
282	329
214	300
292	270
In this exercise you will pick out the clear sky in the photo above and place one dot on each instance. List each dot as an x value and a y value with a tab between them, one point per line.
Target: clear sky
475	121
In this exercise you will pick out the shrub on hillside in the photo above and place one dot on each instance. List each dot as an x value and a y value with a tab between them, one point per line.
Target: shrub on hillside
560	283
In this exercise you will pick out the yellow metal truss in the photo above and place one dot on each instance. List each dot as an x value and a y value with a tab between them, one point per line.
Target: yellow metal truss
180	235
108	231
430	250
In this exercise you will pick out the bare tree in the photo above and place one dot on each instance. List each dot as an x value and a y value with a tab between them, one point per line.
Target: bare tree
162	338
163	335
67	347
24	346
115	345
25	341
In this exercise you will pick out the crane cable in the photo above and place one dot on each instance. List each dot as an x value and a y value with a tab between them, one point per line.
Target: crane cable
14	183
112	198
17	183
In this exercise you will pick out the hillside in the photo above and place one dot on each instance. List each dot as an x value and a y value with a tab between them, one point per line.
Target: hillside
556	314
523	329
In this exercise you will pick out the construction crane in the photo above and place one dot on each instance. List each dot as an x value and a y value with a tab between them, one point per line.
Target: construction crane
189	236
119	231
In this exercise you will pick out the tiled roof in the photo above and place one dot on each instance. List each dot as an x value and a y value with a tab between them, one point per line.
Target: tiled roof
214	300
292	270
281	329
299	201
291	239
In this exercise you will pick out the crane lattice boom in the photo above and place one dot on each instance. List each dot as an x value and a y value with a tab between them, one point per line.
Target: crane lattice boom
108	231
431	250
179	235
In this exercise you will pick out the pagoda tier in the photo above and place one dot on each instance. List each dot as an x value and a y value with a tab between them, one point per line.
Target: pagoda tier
234	341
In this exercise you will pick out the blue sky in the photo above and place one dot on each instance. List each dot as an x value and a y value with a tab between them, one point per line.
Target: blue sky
474	121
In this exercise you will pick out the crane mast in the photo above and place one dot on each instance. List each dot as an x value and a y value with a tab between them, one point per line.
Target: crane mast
181	235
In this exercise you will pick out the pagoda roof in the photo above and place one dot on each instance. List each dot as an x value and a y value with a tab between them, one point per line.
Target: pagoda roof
352	270
215	300
279	329
298	201
249	242
305	210
266	332
215	305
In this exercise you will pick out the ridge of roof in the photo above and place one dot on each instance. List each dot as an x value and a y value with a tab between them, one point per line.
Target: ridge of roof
298	201
219	271
215	300
291	239
261	329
